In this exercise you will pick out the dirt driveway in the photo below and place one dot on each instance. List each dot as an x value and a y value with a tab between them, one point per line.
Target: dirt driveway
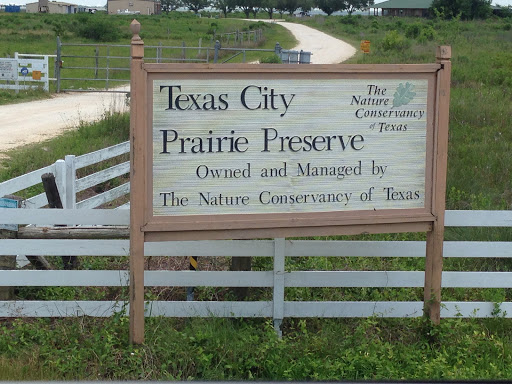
35	121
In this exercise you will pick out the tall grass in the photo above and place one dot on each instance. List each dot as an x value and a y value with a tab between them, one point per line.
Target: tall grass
223	349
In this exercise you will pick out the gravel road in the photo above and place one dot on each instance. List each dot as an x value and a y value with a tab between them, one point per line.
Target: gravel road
35	121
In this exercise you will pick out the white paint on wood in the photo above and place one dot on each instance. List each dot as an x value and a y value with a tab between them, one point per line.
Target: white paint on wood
207	279
252	309
24	181
478	219
279	279
70	202
210	309
102	154
101	176
50	247
353	309
36	201
60	308
381	279
104	197
65	216
33	278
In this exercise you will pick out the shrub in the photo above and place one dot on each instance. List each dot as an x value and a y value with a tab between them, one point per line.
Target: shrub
350	20
413	30
394	41
98	30
427	34
272	59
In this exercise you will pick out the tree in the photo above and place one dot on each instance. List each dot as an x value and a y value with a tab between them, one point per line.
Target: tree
225	6
269	6
331	6
170	5
196	5
306	5
247	6
354	5
465	9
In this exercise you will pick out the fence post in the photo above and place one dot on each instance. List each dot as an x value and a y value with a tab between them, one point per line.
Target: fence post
96	61
278	297
16	82
435	237
60	181
199	50
183	54
137	178
108	64
277	49
58	63
159	53
70	198
47	82
216	54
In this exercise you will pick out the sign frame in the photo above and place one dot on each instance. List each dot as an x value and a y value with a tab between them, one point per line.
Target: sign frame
249	226
144	227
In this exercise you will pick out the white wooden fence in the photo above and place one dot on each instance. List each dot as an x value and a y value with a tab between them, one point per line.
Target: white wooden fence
69	185
277	279
29	71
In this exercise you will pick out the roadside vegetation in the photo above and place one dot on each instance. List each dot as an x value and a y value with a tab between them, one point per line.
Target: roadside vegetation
479	177
37	34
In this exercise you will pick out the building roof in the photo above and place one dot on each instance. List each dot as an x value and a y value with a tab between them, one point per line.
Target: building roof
405	4
55	3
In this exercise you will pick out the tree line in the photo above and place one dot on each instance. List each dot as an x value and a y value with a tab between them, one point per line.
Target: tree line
268	6
447	9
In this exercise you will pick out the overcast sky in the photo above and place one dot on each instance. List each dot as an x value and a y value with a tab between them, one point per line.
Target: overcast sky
103	2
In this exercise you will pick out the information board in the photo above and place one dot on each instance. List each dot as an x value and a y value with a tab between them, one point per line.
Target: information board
8	69
8	203
241	149
248	146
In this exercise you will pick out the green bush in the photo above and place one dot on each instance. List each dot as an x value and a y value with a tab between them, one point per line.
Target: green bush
428	33
394	41
98	30
272	59
413	30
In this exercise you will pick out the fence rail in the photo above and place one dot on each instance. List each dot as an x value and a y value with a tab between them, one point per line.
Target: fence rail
278	278
109	65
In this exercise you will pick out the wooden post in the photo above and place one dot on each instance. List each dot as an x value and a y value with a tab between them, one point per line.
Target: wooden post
240	264
137	180
54	201
435	238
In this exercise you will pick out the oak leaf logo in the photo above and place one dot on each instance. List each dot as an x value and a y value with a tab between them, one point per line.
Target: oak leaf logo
403	95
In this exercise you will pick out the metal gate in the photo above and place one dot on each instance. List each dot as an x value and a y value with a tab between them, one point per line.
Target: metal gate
106	67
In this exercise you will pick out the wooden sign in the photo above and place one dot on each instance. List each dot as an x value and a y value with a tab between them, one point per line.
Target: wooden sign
249	151
365	46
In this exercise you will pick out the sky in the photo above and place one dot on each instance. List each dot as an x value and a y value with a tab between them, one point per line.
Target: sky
103	2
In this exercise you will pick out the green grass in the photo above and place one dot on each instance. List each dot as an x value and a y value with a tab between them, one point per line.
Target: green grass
235	349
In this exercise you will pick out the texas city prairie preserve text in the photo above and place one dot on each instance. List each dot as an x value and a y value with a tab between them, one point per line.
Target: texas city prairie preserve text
266	146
